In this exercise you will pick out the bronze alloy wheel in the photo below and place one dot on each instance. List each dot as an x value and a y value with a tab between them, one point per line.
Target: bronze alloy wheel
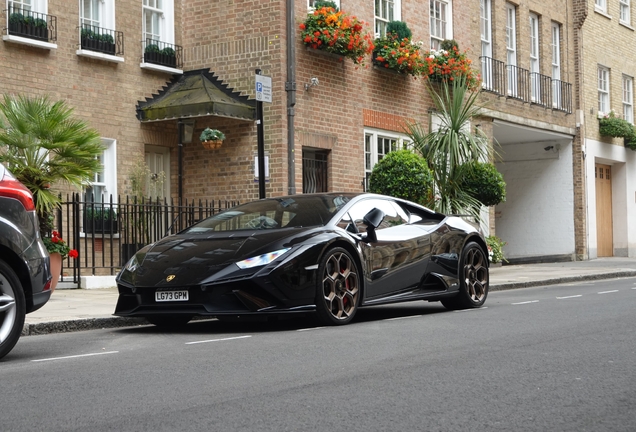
339	292
476	274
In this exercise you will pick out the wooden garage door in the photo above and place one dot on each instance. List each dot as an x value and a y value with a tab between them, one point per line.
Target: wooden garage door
603	175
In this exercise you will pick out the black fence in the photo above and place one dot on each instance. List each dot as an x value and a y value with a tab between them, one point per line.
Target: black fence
106	234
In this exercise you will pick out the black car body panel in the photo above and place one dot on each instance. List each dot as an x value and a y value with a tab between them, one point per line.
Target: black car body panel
413	256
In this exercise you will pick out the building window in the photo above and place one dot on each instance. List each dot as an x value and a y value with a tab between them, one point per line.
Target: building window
377	144
628	98
158	20
511	49
440	22
600	5
556	65
104	184
25	5
315	170
485	14
385	12
603	90
625	13
535	79
310	4
97	13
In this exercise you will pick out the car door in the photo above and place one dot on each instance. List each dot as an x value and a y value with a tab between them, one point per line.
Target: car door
397	260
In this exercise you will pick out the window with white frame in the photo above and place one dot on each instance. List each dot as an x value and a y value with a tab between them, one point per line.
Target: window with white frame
600	5
485	18
628	98
104	183
511	48
625	12
441	22
97	13
385	12
311	3
377	144
535	80
555	46
603	90
158	20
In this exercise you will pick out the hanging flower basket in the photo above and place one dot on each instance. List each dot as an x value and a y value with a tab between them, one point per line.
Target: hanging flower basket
212	138
212	144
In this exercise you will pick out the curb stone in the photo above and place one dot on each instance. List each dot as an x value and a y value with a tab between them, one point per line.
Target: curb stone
561	280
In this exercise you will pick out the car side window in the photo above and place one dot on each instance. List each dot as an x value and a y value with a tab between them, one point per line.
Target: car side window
392	216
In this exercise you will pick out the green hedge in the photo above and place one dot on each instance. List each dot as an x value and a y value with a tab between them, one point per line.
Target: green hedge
484	183
402	174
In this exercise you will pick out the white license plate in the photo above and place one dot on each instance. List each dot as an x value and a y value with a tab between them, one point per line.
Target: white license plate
164	296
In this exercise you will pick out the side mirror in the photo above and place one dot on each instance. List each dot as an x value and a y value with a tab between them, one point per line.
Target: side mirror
372	220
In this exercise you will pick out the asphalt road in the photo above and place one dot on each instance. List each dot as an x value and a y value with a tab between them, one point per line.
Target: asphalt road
557	358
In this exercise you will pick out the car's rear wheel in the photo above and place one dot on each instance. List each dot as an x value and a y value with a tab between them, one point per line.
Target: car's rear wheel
12	309
338	287
169	320
473	279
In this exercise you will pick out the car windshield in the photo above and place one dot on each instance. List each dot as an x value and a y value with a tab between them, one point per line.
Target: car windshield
285	212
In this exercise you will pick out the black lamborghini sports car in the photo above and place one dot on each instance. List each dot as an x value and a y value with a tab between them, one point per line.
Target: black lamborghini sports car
327	253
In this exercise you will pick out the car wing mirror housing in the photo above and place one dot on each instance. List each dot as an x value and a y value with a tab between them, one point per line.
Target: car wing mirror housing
372	220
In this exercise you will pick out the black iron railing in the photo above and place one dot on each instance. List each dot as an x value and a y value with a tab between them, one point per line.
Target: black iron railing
32	25
493	75
315	173
162	53
107	233
562	96
102	40
540	89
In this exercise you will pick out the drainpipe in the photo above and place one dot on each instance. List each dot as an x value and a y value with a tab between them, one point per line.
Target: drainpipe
290	88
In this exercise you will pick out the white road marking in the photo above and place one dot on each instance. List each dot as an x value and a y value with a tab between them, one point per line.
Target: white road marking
401	318
526	302
469	310
607	292
75	356
218	340
569	297
311	328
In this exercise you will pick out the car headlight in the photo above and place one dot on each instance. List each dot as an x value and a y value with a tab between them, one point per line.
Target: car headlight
132	264
261	260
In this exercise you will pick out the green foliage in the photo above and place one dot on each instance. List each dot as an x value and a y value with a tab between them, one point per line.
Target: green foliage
106	38
402	174
630	141
324	3
495	249
42	143
96	212
613	126
28	20
168	52
212	135
452	146
56	244
484	183
152	48
16	18
400	55
400	29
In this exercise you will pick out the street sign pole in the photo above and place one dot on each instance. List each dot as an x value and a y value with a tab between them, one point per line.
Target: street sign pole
261	144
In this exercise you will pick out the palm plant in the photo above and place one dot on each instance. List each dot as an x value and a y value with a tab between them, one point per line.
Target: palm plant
450	147
43	144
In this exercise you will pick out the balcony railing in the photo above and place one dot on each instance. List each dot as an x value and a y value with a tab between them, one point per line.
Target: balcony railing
32	25
101	40
531	87
162	53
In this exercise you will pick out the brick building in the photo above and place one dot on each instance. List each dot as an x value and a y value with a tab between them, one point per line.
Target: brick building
329	120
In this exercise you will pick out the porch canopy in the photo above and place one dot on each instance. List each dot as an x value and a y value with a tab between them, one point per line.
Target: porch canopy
196	93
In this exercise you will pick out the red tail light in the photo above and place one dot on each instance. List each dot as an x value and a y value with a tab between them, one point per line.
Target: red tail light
10	187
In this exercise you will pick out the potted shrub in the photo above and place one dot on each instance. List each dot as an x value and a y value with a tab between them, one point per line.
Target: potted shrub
212	138
333	31
484	183
165	57
612	126
103	42
100	219
396	51
28	26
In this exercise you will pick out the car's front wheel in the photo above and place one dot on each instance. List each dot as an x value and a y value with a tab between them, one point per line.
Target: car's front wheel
12	309
473	279
338	287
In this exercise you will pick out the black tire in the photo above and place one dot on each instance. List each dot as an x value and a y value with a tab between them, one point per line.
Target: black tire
337	287
473	278
169	320
12	309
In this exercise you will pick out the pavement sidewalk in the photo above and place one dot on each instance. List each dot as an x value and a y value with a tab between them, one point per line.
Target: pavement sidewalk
85	309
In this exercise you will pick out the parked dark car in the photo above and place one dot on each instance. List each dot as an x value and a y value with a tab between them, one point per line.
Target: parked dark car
325	253
25	274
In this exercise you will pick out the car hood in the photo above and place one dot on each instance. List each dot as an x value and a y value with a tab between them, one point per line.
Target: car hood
193	259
